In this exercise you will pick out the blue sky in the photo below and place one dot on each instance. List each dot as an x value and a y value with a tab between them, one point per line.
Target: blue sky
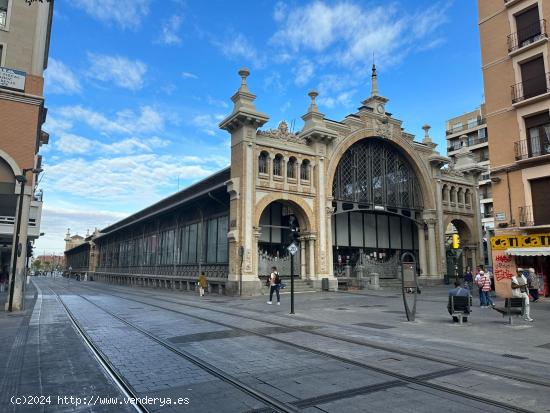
136	88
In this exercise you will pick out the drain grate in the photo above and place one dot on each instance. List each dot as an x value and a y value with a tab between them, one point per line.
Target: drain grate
513	356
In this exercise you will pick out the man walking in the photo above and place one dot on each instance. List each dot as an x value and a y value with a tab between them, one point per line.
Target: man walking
274	285
533	284
484	284
519	290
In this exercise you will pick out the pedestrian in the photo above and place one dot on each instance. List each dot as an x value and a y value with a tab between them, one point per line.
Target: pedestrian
274	285
468	278
458	291
481	297
533	284
484	284
203	283
519	290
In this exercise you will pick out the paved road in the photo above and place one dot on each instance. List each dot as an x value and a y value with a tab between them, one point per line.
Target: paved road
341	352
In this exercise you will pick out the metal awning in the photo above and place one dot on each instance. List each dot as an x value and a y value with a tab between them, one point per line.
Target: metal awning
528	252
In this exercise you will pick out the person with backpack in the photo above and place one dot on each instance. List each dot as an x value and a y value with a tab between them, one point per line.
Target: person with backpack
274	285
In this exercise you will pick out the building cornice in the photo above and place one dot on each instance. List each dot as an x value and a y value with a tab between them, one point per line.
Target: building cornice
21	97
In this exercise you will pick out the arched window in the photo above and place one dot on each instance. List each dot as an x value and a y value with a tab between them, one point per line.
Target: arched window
304	170
278	165
262	162
453	194
445	193
460	196
468	197
291	168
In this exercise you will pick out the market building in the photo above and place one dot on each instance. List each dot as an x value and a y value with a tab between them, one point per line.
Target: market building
355	194
516	66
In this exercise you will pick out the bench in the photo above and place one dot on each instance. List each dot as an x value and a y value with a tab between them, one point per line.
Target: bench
459	307
512	306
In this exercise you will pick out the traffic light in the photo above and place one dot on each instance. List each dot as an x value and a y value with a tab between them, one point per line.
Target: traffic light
294	229
456	241
29	249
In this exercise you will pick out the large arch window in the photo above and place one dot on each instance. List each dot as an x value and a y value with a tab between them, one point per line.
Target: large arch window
375	172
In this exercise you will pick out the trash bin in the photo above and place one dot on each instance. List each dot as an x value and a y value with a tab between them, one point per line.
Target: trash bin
324	284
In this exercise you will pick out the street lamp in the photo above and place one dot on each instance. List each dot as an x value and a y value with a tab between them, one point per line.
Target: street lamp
22	179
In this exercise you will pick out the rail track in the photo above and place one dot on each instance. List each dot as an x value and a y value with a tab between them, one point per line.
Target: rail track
396	378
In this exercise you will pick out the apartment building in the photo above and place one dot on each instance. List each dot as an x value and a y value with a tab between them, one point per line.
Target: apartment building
516	66
24	44
474	127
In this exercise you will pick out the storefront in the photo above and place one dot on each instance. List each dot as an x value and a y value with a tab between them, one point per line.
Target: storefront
513	252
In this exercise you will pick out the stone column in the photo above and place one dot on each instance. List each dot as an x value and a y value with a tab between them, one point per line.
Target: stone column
303	273
20	273
432	247
311	242
422	249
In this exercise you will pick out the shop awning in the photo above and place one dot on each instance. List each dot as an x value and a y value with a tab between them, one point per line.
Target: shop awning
528	252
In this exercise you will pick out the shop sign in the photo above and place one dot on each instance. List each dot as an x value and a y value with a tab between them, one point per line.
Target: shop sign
503	242
12	79
500	216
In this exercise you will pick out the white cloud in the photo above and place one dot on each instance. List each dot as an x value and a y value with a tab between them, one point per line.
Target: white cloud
208	123
73	144
189	75
347	34
60	79
120	70
169	31
303	72
238	47
124	13
56	219
126	121
216	102
137	177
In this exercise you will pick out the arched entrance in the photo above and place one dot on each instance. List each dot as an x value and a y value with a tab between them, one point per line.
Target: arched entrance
377	202
459	251
281	223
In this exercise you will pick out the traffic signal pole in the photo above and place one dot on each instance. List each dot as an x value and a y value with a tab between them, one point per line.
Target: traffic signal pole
291	283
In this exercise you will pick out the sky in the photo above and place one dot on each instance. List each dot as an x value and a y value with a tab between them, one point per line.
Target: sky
135	89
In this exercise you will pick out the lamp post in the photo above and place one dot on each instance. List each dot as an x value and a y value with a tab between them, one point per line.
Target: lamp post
22	179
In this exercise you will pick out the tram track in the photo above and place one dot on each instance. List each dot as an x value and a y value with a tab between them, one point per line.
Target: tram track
272	403
362	342
409	380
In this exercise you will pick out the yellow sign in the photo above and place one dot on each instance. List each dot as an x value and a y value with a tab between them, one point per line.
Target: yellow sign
456	241
503	242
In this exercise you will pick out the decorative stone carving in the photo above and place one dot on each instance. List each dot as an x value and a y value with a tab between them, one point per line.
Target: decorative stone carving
382	128
283	134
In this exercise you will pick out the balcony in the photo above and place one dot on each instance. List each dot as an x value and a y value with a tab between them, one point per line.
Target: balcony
527	36
530	88
7	222
532	147
526	216
455	146
470	125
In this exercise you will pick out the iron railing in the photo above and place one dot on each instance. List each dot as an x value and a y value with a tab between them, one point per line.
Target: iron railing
470	125
526	216
532	147
455	146
530	88
527	35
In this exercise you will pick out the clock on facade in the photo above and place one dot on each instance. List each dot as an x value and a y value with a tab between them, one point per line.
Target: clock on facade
380	108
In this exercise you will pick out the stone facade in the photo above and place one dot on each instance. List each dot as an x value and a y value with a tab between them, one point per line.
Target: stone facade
259	177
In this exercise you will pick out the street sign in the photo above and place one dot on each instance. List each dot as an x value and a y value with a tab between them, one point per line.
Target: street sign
292	248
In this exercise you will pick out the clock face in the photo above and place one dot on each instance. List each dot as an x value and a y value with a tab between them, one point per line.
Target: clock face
380	109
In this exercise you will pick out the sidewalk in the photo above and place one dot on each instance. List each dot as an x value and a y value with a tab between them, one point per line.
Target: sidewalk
42	355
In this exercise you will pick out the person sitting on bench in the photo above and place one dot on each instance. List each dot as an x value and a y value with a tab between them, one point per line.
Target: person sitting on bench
458	291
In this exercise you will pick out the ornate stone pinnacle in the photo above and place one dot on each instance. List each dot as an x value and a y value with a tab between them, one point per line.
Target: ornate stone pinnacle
427	138
244	73
313	105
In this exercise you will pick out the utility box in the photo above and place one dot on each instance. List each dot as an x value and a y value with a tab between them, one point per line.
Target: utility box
324	284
